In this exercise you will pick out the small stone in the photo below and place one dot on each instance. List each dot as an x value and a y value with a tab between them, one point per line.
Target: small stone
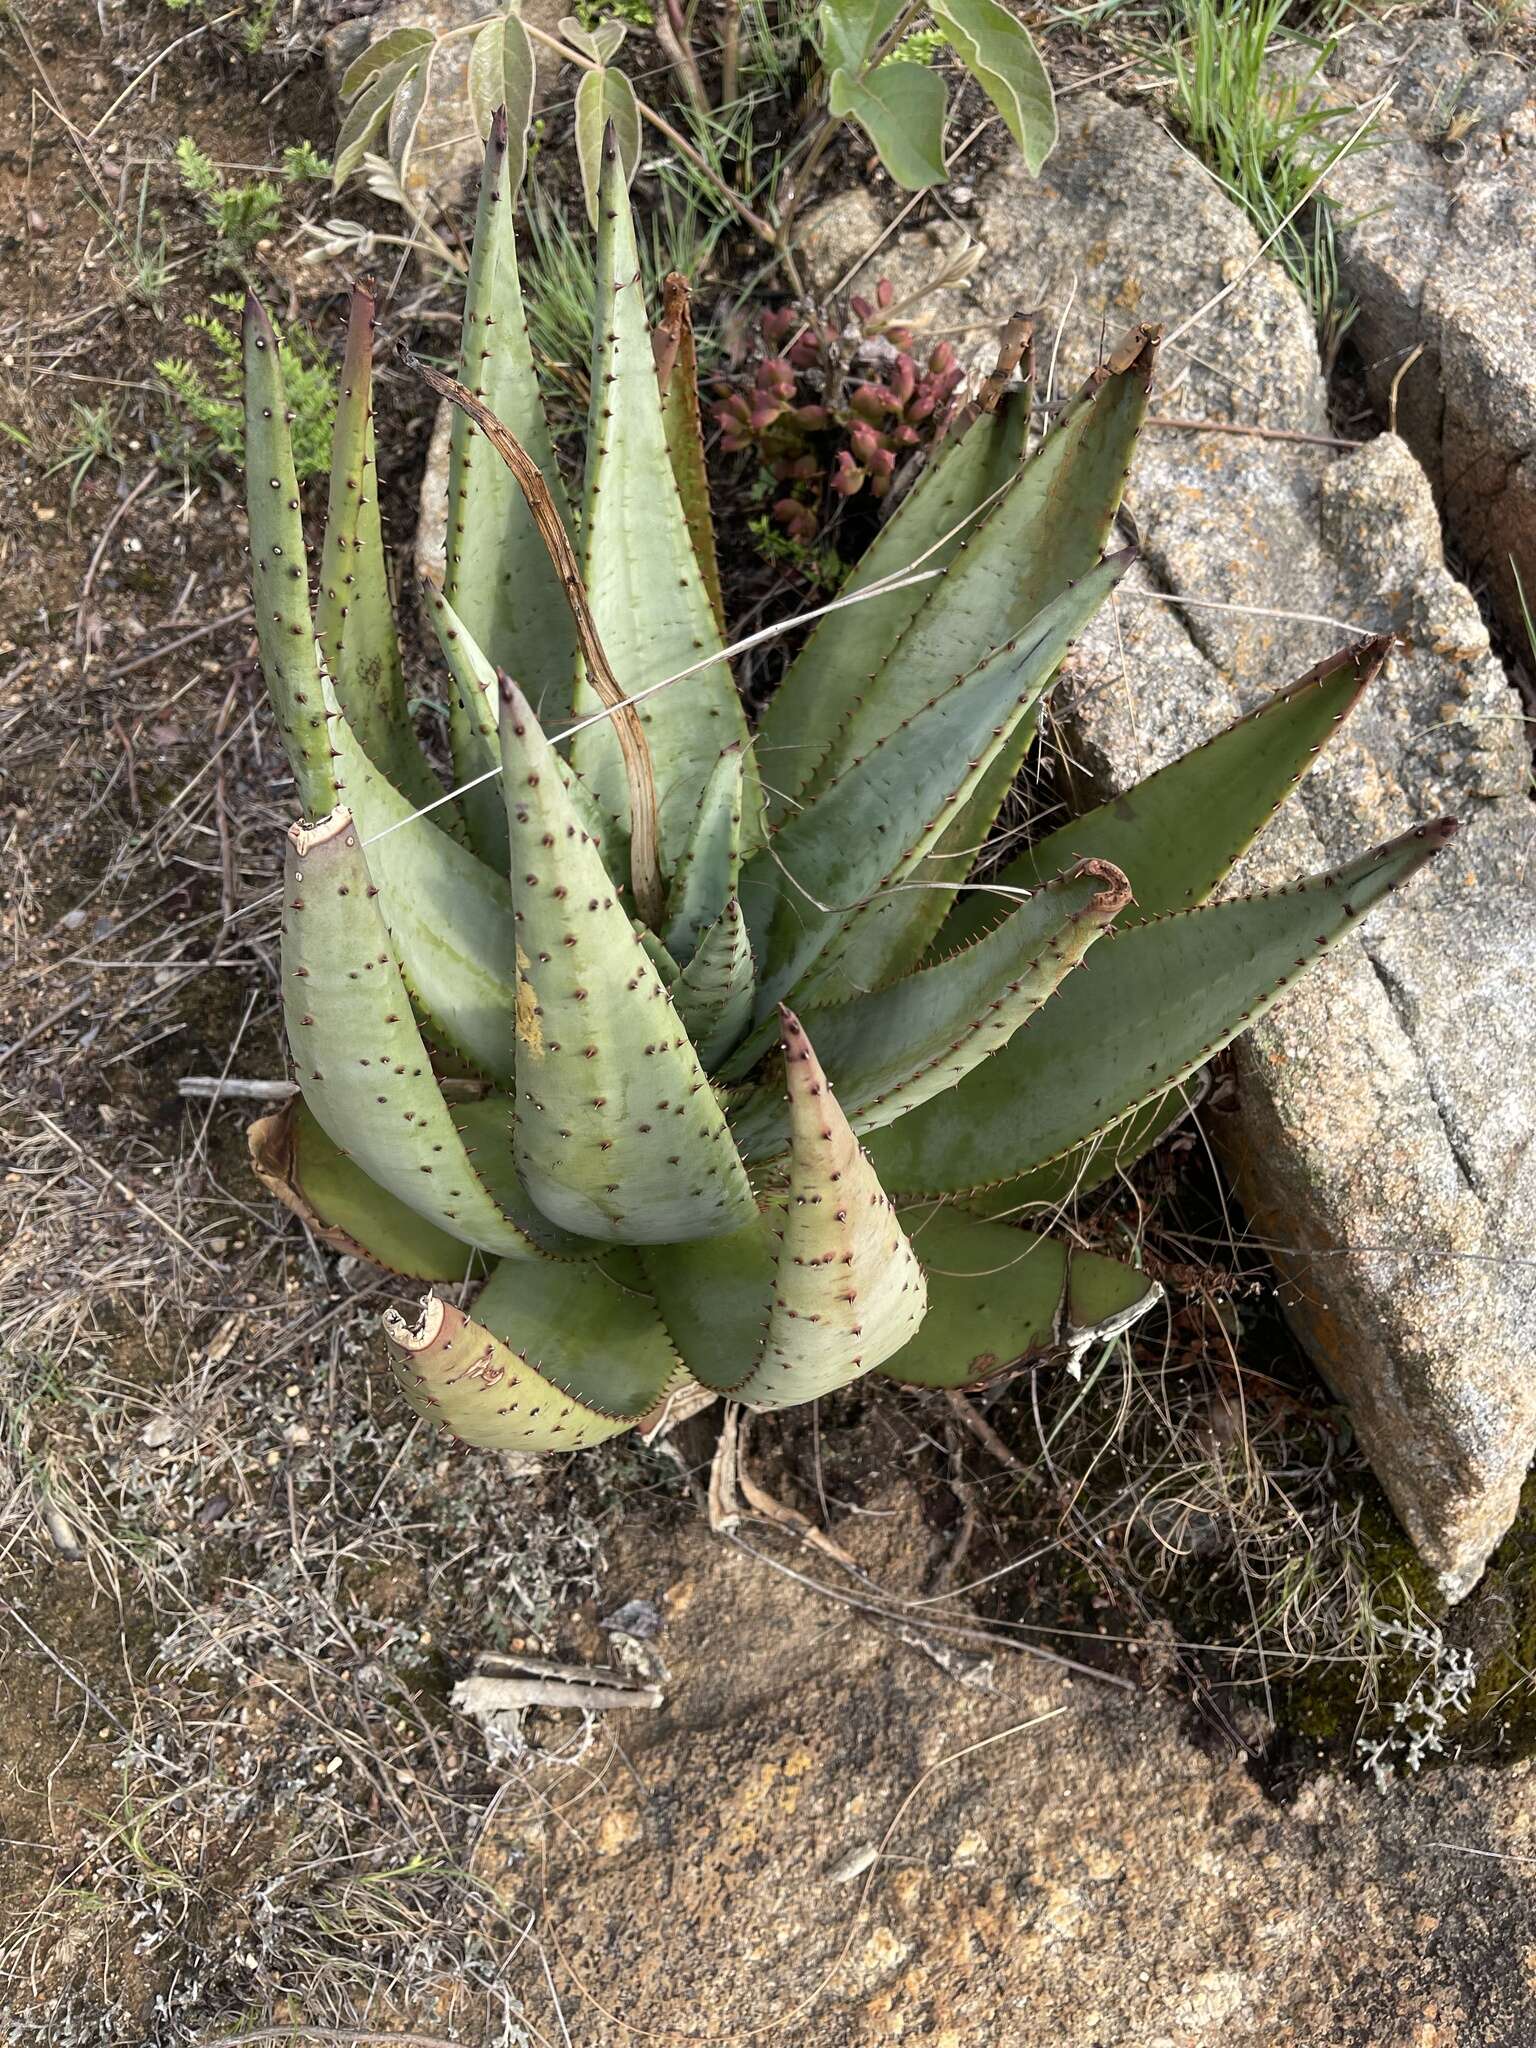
619	1826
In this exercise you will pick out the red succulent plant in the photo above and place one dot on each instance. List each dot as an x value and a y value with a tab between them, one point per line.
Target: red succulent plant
833	406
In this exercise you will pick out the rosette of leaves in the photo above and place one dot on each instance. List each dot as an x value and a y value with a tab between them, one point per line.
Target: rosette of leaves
664	1050
389	88
838	411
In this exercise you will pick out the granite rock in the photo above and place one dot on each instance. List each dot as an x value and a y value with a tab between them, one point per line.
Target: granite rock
1437	244
1384	1140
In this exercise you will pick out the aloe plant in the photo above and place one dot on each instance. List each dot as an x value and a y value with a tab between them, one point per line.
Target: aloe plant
691	1050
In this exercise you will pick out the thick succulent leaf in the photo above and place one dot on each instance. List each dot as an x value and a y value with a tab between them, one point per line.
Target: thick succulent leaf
359	1056
601	827
714	1296
847	1290
285	631
453	1372
1081	457
890	937
1142	1013
618	1132
649	600
486	1124
657	953
998	1297
625	726
354	619
1177	834
1053	1188
592	1329
677	375
473	703
499	577
1044	533
847	646
556	1358
819	1289
1182	830
709	865
448	914
864	832
472	740
713	994
295	1160
890	1050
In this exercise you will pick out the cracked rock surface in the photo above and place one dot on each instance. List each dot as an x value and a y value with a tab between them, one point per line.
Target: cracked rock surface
1438	245
1384	1139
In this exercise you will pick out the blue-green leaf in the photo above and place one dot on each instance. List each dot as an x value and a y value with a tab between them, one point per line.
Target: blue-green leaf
998	1296
1145	1010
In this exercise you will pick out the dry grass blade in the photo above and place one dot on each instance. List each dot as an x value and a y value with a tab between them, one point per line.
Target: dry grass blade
331	2037
645	868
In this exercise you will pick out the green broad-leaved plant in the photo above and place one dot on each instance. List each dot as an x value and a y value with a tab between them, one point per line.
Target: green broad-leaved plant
680	1051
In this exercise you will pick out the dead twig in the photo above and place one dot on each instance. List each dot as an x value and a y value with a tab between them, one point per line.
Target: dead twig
1397	377
332	2037
983	1432
724	1505
1197	426
580	1693
119	513
645	869
232	1088
730	1483
158	654
130	769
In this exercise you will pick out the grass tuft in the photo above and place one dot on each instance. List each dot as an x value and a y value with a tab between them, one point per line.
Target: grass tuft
1246	94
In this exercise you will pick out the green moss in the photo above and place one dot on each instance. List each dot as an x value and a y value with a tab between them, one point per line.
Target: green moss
1497	1623
1329	1704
